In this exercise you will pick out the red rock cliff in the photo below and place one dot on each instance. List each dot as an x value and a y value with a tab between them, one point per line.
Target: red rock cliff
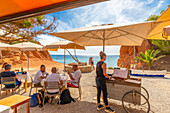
127	54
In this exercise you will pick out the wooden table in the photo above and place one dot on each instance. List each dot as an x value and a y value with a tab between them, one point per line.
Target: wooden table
16	100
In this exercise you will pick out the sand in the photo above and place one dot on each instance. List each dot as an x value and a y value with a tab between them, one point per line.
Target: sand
158	88
34	64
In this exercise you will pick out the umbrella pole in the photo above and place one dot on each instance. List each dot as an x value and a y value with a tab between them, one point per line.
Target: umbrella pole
104	41
28	61
103	45
64	60
134	59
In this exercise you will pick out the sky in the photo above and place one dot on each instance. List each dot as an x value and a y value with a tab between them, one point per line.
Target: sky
118	12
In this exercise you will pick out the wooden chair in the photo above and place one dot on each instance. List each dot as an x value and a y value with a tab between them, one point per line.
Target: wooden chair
79	87
32	84
52	85
8	81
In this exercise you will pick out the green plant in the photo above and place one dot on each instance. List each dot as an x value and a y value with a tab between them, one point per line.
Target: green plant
164	46
149	57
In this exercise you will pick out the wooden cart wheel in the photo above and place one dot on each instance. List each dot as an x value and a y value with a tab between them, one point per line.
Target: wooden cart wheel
135	106
147	95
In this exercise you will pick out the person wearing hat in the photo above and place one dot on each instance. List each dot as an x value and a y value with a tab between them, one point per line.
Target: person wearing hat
8	73
74	78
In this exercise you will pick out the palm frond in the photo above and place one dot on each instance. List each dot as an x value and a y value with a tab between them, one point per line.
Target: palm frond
156	52
140	59
157	58
142	55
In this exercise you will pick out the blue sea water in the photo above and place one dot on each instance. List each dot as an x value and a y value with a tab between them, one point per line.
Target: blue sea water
111	60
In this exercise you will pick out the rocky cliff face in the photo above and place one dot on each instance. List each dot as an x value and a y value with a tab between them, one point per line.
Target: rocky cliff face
18	57
127	55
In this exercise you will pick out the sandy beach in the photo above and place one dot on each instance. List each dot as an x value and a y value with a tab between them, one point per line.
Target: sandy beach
158	89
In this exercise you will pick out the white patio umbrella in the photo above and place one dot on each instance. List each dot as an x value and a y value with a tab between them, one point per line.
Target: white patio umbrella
64	45
28	46
128	35
4	46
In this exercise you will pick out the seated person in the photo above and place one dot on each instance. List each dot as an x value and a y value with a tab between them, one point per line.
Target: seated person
55	76
8	73
39	76
74	78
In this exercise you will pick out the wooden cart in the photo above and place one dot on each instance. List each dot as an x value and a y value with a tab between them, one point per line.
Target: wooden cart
134	97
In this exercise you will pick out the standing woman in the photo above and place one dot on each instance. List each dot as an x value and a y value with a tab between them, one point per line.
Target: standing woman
101	83
91	62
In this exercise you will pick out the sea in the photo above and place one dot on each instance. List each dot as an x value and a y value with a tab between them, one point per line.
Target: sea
111	60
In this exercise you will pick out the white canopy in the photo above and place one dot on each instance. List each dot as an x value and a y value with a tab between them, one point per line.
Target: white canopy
4	46
28	46
64	45
128	35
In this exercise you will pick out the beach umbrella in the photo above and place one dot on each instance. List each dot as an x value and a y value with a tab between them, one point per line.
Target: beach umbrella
19	9
28	46
4	46
64	45
127	35
160	31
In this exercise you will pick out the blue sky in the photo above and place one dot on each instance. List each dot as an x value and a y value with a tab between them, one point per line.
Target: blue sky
113	11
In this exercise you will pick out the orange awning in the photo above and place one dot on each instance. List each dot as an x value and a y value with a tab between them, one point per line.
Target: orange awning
163	21
18	9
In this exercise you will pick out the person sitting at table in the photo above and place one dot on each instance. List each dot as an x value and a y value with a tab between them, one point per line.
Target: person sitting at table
55	76
8	73
39	76
74	78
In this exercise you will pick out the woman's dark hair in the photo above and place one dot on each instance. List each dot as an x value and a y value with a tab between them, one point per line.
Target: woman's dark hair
91	58
102	55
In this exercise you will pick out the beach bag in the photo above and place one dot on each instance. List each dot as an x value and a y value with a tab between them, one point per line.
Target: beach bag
65	97
34	100
40	97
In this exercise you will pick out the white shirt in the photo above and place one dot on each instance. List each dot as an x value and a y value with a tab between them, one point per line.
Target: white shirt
76	76
38	75
53	77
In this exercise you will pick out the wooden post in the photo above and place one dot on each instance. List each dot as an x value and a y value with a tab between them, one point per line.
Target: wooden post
15	109
28	106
